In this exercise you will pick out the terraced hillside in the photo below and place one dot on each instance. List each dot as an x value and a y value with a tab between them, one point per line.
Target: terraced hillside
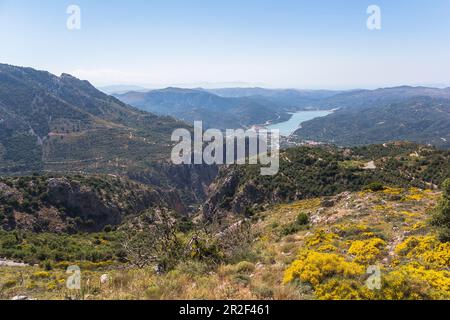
65	125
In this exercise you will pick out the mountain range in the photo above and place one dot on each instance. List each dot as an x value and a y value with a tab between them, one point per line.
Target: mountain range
417	114
65	125
225	108
198	105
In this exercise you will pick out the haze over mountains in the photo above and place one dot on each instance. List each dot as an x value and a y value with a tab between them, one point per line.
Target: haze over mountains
224	108
118	89
214	111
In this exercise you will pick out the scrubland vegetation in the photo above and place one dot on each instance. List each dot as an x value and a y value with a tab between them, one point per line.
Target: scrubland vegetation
326	227
319	248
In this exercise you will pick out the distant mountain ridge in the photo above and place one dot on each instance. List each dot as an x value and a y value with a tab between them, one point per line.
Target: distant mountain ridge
225	108
198	105
60	124
273	93
369	117
118	89
379	97
417	114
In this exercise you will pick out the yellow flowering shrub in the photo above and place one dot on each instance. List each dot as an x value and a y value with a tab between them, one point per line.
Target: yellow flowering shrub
41	275
52	285
393	191
367	235
314	267
417	226
327	248
416	282
427	249
414	195
321	237
343	289
409	214
366	251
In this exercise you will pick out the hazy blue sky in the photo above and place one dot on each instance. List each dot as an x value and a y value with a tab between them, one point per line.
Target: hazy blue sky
274	43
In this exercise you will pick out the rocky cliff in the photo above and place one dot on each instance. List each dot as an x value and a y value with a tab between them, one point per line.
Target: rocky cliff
76	203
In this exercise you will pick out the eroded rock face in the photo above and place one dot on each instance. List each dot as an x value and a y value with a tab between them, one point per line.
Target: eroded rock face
72	204
81	201
232	193
190	182
222	195
8	194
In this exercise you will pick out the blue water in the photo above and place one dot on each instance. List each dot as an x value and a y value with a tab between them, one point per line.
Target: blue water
289	127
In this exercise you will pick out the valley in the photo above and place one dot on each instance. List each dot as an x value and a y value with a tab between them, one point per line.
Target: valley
360	117
224	159
293	124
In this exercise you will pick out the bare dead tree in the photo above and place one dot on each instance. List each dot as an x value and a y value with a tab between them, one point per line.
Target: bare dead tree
236	239
151	240
216	242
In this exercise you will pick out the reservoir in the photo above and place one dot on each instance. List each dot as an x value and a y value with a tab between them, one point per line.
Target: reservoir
289	127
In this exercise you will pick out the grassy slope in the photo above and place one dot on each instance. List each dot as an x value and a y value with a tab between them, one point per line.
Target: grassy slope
337	227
